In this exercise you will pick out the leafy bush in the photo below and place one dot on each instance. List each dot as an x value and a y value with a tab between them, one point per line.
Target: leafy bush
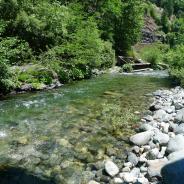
36	74
175	58
127	68
154	53
6	83
15	51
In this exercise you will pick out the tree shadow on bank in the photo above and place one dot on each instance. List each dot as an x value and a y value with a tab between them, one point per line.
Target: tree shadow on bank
20	176
173	173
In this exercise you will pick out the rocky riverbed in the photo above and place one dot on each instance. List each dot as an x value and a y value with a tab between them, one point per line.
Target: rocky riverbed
157	152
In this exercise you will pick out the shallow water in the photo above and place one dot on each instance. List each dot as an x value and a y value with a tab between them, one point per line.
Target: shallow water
55	134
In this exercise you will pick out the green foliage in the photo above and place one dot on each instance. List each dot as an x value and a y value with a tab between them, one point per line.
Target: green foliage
175	58
154	53
36	74
127	68
6	83
15	51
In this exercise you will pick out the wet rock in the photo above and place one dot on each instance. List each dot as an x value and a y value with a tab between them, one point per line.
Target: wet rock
111	168
180	116
141	138
155	166
176	143
132	158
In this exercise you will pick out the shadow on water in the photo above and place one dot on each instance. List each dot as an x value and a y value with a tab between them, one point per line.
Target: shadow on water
20	176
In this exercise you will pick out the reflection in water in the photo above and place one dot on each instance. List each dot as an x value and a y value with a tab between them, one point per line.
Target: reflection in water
58	133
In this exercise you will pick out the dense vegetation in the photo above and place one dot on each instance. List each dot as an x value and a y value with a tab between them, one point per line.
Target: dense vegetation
44	41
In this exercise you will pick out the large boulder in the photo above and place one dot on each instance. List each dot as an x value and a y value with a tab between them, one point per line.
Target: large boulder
141	138
180	116
111	168
173	173
176	143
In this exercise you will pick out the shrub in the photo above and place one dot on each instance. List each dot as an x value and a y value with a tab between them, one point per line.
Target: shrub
15	51
6	83
127	68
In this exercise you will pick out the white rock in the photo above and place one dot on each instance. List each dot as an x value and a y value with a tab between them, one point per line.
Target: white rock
93	182
141	138
128	177
143	180
111	168
118	180
155	166
161	138
176	144
126	169
128	164
178	155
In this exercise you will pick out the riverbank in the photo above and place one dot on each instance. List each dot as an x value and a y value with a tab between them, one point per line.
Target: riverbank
158	147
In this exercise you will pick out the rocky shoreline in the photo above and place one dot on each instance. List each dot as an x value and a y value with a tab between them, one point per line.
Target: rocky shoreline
156	156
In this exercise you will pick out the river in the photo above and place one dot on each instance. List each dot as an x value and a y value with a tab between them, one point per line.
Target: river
53	136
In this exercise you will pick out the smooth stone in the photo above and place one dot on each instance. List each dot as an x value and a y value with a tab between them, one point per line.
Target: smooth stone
111	168
93	182
155	166
126	169
180	116
173	173
118	180
160	115
136	149
143	169
146	127
177	155
128	164
148	118
135	172
179	129
153	154
165	127
176	143
141	138
142	180
128	177
132	158
161	138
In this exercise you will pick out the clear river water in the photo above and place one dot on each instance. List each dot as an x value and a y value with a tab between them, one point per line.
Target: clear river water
52	137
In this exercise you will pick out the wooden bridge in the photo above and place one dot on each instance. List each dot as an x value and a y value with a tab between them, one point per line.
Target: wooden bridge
137	64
